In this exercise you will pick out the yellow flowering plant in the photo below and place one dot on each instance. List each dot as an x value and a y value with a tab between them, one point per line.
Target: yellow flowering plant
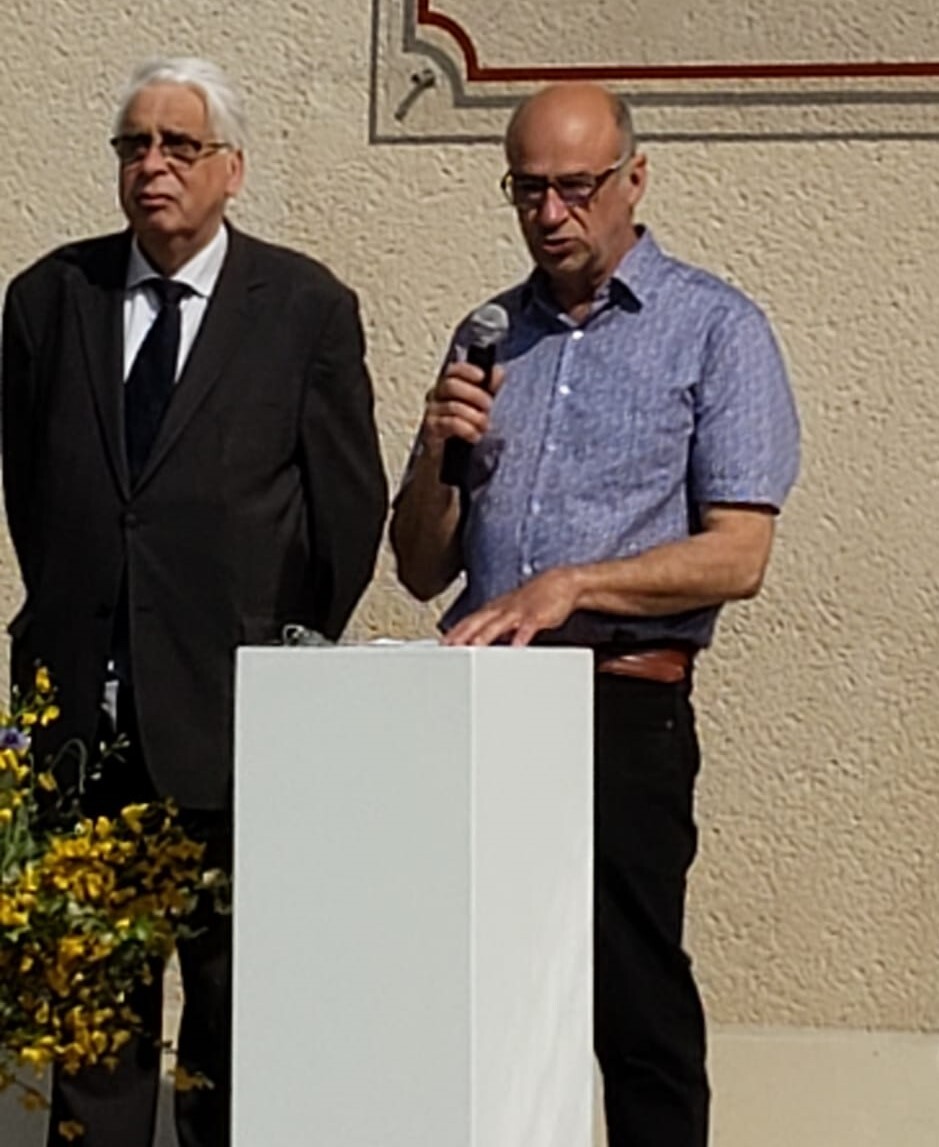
89	908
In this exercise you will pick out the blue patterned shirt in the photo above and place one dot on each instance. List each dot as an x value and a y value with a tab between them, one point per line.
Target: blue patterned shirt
607	436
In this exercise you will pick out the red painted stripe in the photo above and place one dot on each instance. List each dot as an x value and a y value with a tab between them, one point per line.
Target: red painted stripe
477	73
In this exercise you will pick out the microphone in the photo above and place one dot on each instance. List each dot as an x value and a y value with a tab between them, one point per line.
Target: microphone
486	328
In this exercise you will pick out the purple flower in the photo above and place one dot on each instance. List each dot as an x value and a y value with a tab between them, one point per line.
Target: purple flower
14	739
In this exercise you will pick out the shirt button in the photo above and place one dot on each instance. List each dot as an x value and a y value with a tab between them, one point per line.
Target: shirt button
550	447
536	507
577	336
528	569
564	389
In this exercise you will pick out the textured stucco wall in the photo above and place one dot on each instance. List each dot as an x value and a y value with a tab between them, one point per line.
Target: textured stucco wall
815	896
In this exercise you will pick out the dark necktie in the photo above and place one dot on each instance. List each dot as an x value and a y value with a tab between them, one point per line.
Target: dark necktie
150	382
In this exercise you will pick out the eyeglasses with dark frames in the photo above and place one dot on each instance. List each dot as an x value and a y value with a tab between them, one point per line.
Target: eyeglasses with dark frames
576	190
177	149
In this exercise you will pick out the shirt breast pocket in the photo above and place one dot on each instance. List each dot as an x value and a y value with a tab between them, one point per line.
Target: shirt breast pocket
659	431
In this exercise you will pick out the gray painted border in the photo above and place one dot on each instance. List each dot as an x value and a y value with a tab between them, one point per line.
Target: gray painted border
413	44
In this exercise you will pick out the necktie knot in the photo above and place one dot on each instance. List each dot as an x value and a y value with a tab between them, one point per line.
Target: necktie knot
170	292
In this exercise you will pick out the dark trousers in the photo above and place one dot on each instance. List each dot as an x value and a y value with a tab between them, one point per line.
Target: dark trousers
118	1108
649	1023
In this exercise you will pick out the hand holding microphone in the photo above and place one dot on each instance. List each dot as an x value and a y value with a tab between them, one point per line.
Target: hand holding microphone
462	398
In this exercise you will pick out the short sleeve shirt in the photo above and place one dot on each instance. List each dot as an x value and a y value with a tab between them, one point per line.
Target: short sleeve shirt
608	436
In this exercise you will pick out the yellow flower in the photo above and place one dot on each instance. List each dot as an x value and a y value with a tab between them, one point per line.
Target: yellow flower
37	1057
59	981
11	912
184	1080
8	760
49	714
132	814
70	1129
87	906
72	947
72	1058
33	1100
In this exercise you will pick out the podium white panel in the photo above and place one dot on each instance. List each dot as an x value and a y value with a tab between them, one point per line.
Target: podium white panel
413	897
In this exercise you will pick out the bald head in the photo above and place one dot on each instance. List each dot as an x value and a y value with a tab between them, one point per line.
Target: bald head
575	180
580	109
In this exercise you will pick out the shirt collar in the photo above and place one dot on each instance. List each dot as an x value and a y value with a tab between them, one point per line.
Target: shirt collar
631	284
200	274
638	270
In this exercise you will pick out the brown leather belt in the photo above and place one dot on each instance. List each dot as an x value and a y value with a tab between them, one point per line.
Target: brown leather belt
669	666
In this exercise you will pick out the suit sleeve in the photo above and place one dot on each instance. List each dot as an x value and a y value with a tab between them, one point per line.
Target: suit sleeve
346	487
17	381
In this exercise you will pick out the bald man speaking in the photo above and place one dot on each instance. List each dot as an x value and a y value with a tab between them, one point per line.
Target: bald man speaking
624	470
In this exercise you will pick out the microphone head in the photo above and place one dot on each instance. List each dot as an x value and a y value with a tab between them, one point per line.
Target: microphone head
488	326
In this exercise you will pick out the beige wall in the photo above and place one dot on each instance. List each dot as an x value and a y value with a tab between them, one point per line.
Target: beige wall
815	898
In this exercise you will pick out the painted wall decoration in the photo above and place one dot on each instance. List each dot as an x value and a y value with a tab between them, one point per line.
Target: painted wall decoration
449	69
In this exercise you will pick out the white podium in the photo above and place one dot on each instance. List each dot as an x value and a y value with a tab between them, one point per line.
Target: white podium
413	898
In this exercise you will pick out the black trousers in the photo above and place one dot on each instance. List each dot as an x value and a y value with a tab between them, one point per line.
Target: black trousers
118	1108
649	1023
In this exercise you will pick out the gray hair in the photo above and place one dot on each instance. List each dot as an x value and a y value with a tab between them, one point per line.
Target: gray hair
623	117
224	108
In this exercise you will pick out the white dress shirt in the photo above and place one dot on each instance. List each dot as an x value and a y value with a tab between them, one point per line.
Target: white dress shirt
141	303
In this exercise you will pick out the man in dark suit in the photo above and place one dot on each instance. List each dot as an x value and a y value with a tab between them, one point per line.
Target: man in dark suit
190	462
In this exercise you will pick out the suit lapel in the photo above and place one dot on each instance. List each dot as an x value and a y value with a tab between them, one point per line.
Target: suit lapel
223	328
99	297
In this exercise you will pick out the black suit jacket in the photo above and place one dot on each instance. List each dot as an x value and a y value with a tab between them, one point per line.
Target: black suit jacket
262	501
